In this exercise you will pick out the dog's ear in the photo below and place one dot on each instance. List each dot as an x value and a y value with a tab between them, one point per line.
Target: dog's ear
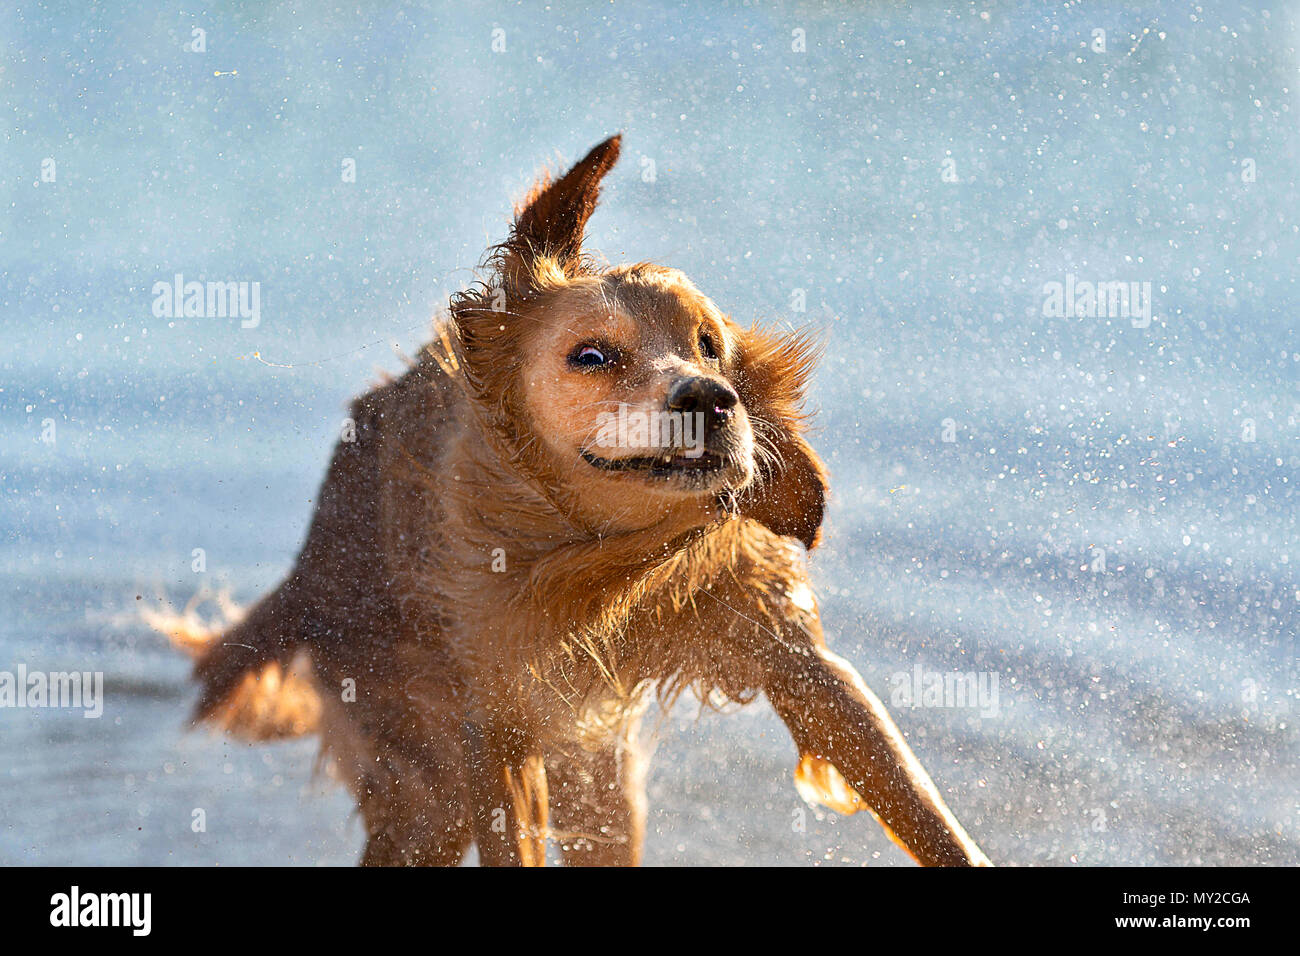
550	222
788	494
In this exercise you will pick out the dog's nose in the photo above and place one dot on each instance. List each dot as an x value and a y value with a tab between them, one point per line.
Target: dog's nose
707	396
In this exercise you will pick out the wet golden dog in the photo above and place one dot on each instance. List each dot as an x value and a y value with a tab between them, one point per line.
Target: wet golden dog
591	488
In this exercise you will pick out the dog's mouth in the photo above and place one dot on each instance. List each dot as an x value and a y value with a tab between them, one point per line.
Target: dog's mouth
671	463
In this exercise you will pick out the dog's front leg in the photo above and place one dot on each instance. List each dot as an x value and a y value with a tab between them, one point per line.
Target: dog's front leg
506	776
598	804
836	720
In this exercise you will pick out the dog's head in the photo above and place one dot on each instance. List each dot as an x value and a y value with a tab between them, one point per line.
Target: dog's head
626	394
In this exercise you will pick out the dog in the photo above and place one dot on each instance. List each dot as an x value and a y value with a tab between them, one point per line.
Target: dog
592	488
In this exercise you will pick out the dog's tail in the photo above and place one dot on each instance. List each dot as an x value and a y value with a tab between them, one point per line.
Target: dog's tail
254	675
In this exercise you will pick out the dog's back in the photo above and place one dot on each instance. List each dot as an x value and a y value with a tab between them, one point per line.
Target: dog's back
374	523
348	645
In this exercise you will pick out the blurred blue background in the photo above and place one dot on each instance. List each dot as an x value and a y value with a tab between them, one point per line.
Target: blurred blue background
1111	529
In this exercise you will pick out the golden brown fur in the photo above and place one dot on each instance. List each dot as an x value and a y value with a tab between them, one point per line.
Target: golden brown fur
483	604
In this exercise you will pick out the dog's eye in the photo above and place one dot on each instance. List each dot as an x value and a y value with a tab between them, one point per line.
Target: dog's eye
589	356
707	348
